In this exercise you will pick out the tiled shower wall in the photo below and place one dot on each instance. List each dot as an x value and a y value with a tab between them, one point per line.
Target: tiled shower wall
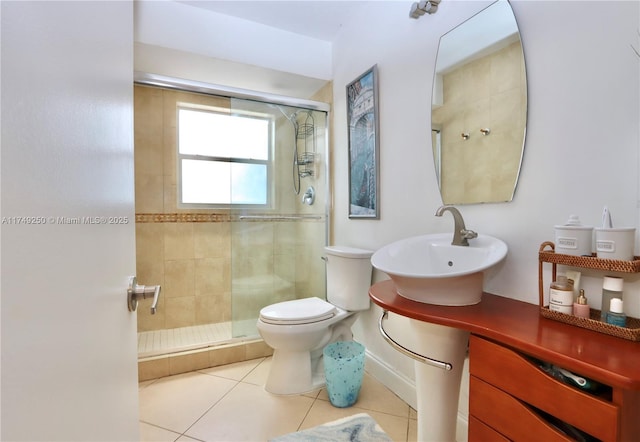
188	256
190	252
486	93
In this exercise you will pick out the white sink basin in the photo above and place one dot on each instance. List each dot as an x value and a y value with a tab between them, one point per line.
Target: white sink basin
429	269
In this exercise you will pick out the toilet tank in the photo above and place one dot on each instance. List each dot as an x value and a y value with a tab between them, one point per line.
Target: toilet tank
348	277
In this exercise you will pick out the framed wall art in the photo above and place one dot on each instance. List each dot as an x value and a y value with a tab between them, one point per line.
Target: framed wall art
362	125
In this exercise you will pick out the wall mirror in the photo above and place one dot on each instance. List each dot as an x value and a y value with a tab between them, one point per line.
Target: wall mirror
479	108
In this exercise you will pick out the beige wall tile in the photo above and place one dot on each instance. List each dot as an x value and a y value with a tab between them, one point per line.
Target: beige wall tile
148	139
212	276
227	354
206	310
187	362
168	147
258	349
149	243
212	240
147	321
149	191
179	278
153	369
170	197
180	312
178	241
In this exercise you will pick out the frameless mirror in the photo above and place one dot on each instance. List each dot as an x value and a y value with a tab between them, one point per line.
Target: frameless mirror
479	108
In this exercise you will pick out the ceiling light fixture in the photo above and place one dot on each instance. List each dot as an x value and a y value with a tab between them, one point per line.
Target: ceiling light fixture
418	9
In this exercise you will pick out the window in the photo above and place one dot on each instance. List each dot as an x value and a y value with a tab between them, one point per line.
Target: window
223	159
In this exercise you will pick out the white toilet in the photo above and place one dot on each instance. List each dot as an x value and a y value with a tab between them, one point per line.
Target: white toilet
299	330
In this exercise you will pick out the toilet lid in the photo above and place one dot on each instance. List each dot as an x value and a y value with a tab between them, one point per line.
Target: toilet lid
298	311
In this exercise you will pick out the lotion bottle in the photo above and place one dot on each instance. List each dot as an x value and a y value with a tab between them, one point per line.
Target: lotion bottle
561	295
615	315
580	307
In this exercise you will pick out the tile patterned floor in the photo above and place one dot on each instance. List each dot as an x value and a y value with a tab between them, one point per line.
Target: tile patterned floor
229	403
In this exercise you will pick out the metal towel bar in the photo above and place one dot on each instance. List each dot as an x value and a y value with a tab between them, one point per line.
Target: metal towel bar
418	357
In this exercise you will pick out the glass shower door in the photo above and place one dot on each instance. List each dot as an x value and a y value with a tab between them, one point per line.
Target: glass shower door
276	249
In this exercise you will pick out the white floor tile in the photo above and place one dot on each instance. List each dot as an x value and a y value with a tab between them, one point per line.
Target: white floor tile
176	402
229	403
237	371
249	413
151	433
258	375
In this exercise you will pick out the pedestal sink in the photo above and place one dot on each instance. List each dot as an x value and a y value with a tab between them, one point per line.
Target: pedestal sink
429	269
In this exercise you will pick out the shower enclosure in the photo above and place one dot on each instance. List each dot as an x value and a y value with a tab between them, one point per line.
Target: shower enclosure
276	253
221	259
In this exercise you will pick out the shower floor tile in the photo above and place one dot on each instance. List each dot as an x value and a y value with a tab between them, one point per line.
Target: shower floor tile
160	342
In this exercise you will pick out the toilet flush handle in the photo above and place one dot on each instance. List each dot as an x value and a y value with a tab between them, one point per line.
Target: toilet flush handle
137	291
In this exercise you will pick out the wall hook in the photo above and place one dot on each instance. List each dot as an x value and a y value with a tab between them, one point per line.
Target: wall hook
464	135
486	131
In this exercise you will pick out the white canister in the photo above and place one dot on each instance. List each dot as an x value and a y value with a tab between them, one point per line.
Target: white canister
615	243
573	238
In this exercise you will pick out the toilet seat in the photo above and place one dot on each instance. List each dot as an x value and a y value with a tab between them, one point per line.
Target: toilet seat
298	311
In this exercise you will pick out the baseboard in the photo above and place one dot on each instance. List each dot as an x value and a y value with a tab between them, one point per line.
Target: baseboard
401	385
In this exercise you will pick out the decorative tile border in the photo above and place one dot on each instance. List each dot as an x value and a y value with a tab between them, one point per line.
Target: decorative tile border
222	218
182	217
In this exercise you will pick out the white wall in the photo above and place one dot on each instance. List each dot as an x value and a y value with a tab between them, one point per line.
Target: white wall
582	136
178	26
152	59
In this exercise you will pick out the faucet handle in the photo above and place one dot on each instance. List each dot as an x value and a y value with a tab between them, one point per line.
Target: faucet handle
468	234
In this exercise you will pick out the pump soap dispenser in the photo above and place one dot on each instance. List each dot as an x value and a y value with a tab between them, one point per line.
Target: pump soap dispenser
580	307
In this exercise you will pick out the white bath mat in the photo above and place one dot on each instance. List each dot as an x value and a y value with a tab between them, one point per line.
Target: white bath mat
357	428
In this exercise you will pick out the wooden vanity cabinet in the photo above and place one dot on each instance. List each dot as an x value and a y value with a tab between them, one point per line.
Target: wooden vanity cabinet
511	394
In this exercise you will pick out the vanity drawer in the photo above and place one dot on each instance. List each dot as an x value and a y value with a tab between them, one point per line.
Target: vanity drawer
480	432
519	422
518	376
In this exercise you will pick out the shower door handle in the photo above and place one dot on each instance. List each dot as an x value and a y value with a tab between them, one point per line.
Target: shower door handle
137	291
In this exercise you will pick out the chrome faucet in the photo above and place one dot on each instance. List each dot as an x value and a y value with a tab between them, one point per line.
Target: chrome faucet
460	233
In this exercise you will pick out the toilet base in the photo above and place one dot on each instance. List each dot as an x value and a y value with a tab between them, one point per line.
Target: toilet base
301	371
295	372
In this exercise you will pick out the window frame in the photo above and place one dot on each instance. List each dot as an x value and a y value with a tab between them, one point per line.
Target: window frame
268	162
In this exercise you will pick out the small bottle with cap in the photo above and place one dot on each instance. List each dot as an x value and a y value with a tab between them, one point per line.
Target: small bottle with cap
611	288
615	315
580	307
